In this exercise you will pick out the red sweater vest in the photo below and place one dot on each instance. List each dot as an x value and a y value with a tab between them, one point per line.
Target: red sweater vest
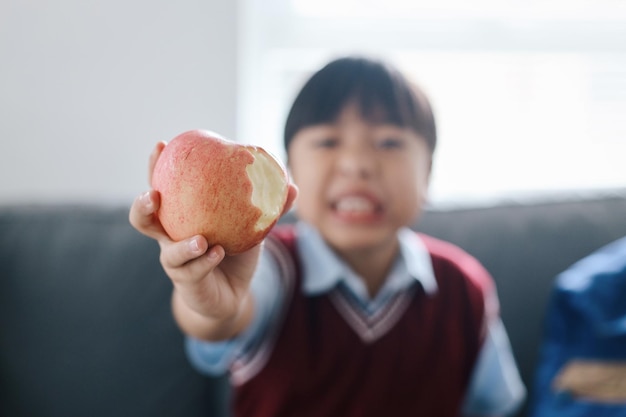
326	358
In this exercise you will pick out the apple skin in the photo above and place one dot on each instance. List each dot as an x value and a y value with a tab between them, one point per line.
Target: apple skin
205	189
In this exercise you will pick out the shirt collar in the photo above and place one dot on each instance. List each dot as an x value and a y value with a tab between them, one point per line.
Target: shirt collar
322	269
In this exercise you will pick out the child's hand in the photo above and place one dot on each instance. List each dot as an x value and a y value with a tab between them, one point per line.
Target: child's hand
209	283
211	290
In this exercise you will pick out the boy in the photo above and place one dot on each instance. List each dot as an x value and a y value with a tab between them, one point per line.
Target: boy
348	313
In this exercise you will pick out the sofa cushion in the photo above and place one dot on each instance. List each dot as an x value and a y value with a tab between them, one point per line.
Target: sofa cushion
85	322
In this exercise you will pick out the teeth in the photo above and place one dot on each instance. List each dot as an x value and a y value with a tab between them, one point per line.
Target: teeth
355	204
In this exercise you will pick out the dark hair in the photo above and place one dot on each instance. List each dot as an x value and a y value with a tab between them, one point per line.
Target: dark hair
381	91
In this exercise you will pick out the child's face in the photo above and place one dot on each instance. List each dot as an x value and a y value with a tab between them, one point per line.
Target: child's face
359	182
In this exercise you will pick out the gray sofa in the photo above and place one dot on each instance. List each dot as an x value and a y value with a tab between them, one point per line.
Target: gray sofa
86	329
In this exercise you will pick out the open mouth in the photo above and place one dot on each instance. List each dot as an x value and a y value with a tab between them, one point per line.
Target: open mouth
357	207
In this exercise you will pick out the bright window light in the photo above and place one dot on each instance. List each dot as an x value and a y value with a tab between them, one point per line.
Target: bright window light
554	9
530	97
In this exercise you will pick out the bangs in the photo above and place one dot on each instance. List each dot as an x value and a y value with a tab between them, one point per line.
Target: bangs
381	94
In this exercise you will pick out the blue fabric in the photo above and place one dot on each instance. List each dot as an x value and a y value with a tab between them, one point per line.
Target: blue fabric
586	319
496	387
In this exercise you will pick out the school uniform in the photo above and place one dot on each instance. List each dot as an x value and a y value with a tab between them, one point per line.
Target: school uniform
429	343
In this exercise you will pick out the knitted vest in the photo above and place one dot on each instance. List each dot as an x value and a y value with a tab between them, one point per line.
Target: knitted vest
326	358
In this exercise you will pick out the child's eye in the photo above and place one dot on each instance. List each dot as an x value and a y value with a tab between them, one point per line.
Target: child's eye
390	143
329	142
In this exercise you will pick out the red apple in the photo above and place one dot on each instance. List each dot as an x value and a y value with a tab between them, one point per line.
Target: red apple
230	193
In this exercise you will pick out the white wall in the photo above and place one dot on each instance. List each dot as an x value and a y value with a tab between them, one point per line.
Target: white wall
87	88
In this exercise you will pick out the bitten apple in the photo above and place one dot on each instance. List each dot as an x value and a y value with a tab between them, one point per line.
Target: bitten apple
231	193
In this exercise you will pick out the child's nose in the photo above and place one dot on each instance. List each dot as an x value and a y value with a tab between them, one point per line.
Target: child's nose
359	162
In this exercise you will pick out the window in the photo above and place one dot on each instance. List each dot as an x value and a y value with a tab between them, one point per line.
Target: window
530	96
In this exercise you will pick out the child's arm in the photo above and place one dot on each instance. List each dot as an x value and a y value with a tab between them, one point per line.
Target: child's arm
211	298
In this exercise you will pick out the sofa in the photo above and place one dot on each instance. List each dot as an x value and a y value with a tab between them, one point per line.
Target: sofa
85	323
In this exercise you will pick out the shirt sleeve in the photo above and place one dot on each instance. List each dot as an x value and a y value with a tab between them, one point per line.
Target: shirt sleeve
215	358
496	388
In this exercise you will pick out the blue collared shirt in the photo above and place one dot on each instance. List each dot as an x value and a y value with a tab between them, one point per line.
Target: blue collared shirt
495	388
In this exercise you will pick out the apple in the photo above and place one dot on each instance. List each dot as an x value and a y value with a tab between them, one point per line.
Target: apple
231	193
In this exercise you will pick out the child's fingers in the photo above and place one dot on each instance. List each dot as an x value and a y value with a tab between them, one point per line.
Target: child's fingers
190	260
154	156
177	254
142	216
